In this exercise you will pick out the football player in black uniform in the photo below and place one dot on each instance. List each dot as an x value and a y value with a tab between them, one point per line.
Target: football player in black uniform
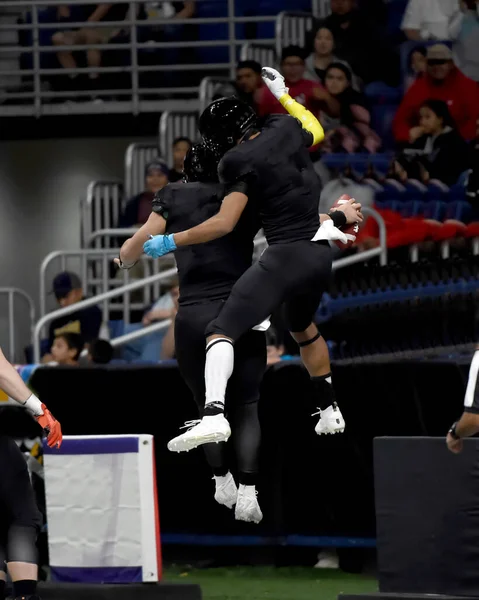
21	520
206	275
268	168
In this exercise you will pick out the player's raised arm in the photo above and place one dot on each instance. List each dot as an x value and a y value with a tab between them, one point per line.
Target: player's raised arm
12	384
275	82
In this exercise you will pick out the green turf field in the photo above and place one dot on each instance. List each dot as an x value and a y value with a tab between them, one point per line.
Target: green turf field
260	583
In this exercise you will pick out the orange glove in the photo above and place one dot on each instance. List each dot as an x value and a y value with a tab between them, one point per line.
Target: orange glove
51	427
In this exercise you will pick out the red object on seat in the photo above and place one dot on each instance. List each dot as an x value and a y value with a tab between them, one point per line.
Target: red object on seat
472	230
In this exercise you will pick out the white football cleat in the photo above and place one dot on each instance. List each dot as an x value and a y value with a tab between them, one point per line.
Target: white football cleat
208	430
247	507
226	490
330	421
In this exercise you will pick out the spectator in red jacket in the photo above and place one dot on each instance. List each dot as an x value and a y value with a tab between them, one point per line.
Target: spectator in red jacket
442	81
312	95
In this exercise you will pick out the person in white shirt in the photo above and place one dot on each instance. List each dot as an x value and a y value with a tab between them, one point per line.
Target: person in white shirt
429	19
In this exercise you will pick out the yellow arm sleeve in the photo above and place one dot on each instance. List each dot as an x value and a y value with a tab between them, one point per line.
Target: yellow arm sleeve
308	120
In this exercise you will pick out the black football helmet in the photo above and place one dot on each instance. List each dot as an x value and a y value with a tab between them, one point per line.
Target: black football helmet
225	121
201	164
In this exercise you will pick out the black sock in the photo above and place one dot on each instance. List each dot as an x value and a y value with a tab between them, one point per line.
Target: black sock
247	478
2	588
214	408
24	587
220	471
323	391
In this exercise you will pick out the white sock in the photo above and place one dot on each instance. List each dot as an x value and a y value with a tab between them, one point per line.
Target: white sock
247	490
218	369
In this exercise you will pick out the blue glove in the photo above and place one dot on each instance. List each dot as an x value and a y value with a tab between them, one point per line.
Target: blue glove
159	245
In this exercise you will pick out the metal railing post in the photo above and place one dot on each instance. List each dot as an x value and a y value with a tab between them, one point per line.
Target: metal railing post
37	100
134	59
11	327
232	37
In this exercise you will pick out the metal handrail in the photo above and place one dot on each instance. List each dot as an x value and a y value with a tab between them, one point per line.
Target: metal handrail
87	302
135	335
137	96
11	291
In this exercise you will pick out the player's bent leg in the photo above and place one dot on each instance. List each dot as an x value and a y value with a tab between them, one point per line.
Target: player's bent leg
315	355
253	298
16	494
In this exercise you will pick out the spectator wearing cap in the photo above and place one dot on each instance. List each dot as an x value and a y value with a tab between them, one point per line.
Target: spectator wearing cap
86	322
138	208
311	94
180	147
442	81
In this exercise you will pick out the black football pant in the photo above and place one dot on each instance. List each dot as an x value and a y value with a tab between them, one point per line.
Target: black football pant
296	274
20	519
242	394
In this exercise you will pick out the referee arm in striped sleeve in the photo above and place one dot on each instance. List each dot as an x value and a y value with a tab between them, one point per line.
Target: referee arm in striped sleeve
468	424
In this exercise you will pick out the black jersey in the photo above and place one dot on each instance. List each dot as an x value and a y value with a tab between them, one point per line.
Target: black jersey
275	170
206	271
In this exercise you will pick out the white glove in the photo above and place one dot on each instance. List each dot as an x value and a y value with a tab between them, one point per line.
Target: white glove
274	81
328	231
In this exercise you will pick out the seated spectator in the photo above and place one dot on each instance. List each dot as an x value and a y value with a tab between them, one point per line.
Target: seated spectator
351	131
439	153
464	32
429	19
138	208
86	35
358	41
249	83
417	64
153	11
100	352
310	94
168	344
86	322
442	81
322	56
180	147
66	349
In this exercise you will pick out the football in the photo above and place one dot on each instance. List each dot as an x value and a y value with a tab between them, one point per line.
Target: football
350	230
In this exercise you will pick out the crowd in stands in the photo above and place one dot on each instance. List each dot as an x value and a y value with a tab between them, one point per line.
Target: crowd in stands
398	98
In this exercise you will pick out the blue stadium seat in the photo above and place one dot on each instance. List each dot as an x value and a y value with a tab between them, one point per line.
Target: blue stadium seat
394	190
459	211
216	31
396	9
415	190
382	116
436	190
379	92
412	208
435	210
457	192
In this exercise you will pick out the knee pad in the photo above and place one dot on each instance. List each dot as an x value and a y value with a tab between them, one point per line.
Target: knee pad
22	544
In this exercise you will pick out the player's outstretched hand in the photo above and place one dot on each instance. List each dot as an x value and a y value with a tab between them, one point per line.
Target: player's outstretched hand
159	245
352	210
51	427
274	81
